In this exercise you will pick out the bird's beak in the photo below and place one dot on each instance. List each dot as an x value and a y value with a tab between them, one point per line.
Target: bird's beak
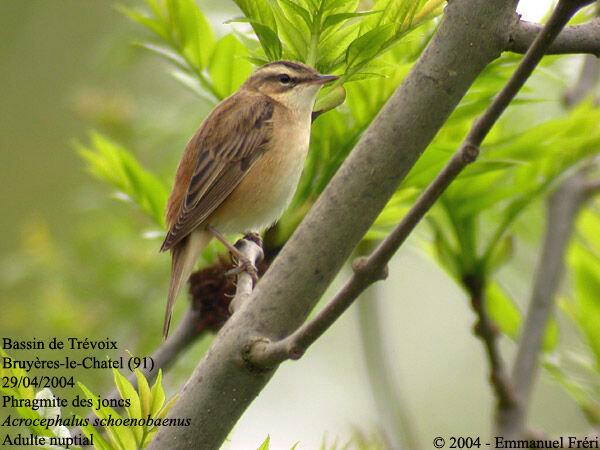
323	79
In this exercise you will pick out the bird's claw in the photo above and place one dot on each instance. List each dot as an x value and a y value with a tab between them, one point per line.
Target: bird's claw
244	265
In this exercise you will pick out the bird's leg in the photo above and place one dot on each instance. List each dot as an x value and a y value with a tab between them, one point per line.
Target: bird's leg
244	264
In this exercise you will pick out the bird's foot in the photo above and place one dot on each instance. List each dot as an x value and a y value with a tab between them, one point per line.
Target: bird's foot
243	264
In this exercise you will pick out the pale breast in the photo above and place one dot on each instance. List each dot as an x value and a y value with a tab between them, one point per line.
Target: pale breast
266	191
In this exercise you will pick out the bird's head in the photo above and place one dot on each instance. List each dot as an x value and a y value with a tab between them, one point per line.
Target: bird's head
292	84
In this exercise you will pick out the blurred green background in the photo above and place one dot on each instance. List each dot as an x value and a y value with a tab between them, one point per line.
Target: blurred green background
67	66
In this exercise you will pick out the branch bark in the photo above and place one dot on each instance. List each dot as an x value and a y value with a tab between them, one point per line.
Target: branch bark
584	38
472	34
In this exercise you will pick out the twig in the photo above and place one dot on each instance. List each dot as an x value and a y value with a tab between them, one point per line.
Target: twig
265	353
252	250
584	38
487	331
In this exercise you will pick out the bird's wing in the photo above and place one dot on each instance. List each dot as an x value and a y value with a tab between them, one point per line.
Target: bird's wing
224	158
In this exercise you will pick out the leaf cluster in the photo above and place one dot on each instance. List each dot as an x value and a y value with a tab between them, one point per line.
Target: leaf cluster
144	403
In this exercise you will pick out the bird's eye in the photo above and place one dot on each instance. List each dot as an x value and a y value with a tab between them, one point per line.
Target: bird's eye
284	79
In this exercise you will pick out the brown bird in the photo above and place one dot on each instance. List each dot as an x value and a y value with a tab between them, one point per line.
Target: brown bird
240	170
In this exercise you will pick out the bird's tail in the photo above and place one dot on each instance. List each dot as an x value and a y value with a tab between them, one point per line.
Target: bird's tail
183	258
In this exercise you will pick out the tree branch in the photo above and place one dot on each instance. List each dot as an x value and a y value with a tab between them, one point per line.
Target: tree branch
472	33
266	354
251	248
584	38
487	331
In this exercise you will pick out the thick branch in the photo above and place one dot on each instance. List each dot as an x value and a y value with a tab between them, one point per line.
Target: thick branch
472	33
583	38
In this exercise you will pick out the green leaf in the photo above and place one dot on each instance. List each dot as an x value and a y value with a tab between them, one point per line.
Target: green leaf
112	163
167	407
121	437
502	310
99	442
586	308
502	253
169	55
228	69
157	395
153	25
330	99
269	40
197	36
259	11
333	47
335	19
261	17
299	12
156	9
145	395
134	410
296	41
265	444
368	46
192	83
446	254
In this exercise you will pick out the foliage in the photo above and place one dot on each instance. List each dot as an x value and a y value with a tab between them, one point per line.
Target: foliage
145	403
112	163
